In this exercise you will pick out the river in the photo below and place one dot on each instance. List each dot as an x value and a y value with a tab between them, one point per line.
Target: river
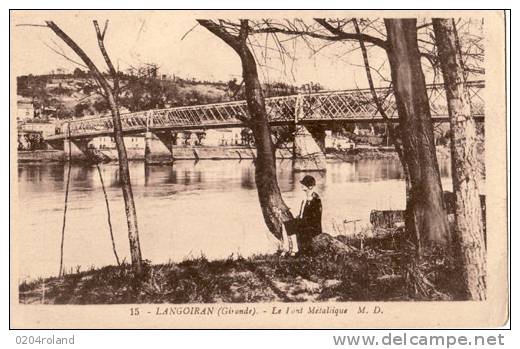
184	211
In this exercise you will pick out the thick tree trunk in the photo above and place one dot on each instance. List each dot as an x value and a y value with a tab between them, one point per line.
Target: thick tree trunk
274	209
468	215
426	216
131	216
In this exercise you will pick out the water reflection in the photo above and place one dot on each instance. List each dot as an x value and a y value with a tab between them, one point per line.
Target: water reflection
184	210
248	177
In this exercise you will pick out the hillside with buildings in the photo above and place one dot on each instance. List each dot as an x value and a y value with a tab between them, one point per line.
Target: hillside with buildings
64	96
45	101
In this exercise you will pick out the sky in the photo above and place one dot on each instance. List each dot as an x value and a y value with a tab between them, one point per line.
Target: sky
174	41
137	37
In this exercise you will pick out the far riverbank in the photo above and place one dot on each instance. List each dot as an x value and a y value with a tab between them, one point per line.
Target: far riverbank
206	153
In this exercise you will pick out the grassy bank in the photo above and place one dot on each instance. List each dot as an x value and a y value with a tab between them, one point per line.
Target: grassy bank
377	269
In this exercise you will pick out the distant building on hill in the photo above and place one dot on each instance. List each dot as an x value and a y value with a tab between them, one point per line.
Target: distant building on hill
24	109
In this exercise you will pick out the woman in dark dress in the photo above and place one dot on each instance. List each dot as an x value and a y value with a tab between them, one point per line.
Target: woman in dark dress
307	225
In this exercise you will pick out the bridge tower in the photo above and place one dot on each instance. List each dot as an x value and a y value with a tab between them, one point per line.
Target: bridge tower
309	143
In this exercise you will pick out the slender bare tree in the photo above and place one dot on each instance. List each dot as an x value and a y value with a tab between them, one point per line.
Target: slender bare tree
393	131
111	95
464	158
274	209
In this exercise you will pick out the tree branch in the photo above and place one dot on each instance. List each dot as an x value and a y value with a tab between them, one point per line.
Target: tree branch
72	44
100	37
425	25
221	33
390	126
339	33
104	30
189	31
32	25
369	74
64	55
274	30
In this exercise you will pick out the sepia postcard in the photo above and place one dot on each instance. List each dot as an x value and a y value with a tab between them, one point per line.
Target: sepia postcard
258	169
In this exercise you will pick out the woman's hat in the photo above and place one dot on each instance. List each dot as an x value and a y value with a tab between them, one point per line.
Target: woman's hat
308	181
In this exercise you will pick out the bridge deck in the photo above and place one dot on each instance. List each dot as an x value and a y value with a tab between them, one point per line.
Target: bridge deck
322	107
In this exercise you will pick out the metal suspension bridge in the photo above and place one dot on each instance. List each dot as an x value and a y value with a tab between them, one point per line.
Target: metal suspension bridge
321	107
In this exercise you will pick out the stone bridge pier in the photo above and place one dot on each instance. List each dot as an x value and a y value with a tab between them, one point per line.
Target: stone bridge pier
158	148
309	149
308	144
80	151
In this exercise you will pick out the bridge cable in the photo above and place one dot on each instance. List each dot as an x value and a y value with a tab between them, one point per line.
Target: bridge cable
108	214
60	273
